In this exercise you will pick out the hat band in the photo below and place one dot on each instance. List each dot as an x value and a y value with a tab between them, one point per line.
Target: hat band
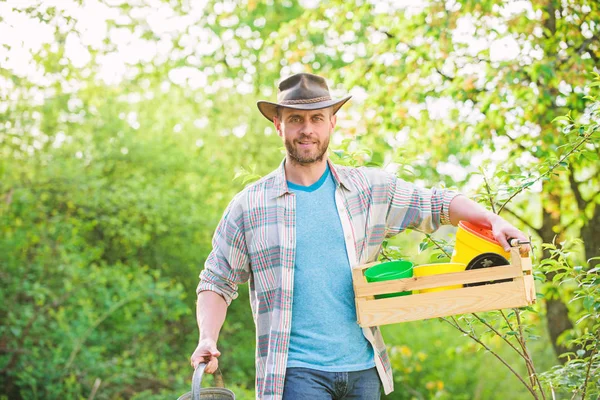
306	101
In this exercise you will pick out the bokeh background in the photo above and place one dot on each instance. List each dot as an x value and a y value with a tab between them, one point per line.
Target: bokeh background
127	126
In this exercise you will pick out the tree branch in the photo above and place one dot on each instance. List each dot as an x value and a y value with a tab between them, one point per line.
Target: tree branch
584	46
437	245
521	340
581	203
507	321
476	339
489	192
449	78
564	157
524	221
550	23
589	368
528	360
499	335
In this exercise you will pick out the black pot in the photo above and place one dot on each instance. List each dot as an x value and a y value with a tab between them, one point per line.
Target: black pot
487	260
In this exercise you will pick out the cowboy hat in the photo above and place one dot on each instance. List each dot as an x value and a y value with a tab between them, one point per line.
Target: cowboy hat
301	92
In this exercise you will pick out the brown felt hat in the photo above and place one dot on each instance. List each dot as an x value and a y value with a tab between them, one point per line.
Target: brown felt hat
301	92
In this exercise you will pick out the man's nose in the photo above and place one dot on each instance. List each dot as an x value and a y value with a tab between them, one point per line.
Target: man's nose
307	127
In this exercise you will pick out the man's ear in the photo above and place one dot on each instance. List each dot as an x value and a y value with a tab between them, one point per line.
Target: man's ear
333	121
277	124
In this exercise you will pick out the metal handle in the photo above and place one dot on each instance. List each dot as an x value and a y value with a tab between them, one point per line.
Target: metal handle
514	242
197	380
516	249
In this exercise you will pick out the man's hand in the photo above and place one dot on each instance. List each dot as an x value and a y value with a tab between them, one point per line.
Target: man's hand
206	352
503	231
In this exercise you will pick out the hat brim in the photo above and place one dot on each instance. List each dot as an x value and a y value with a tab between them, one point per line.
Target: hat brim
269	110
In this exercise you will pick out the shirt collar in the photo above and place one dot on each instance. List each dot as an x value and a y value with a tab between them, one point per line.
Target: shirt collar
281	186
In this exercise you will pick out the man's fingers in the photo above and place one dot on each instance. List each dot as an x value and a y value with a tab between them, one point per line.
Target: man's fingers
196	360
212	366
506	238
507	235
523	242
207	356
501	238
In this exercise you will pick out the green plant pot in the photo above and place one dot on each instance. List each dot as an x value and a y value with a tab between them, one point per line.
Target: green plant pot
389	271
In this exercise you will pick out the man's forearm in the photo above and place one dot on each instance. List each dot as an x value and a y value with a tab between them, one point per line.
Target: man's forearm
211	309
464	209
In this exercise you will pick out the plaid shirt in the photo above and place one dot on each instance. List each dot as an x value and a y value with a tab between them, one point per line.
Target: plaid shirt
255	241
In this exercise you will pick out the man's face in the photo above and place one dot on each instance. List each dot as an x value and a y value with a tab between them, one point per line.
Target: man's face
305	133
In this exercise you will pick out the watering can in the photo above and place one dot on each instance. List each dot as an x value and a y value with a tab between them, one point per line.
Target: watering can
211	393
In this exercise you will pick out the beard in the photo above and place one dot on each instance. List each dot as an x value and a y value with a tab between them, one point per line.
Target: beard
306	156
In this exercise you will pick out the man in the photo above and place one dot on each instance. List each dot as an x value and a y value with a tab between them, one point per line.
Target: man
295	235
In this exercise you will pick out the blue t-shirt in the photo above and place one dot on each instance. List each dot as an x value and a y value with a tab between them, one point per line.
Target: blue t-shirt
325	335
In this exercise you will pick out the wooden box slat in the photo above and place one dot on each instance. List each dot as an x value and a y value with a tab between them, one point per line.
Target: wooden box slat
365	289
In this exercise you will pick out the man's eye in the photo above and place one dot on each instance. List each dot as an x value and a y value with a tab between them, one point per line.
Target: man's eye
295	119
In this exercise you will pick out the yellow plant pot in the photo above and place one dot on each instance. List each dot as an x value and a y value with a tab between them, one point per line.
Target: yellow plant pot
472	240
436	269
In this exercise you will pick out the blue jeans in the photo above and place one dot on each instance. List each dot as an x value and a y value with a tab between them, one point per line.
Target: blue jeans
305	383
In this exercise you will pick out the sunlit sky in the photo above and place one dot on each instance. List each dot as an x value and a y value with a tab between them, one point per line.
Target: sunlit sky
25	35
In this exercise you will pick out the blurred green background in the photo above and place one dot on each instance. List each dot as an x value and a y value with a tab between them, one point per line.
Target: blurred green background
127	126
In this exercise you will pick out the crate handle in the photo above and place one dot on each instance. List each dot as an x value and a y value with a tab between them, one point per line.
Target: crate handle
514	242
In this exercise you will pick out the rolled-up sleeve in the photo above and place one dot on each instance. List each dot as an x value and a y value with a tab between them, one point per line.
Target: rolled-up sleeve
413	207
227	265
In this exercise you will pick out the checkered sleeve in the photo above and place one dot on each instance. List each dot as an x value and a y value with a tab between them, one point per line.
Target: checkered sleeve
228	264
413	207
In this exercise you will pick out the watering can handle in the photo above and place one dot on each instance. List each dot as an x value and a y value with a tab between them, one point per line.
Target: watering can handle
197	380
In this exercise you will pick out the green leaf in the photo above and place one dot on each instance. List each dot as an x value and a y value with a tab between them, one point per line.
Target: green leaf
588	302
424	246
561	118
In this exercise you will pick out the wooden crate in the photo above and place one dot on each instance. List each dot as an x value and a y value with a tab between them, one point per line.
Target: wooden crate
519	292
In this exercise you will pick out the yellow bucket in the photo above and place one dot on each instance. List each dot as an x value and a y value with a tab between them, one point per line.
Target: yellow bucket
473	240
436	269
